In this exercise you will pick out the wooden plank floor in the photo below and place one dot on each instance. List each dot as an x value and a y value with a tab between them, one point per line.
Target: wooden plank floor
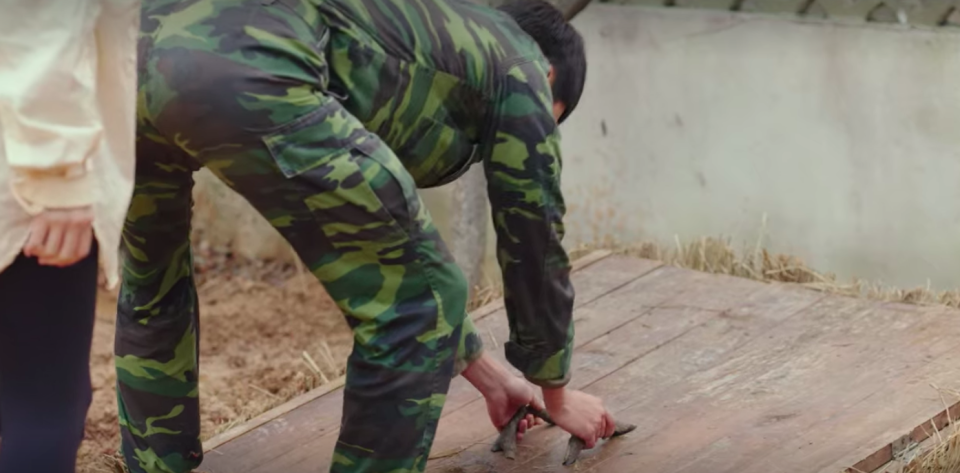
720	374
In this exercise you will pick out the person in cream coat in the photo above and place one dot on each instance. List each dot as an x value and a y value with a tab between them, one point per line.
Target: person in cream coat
68	73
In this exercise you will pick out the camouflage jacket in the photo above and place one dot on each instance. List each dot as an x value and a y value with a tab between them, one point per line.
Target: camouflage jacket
448	83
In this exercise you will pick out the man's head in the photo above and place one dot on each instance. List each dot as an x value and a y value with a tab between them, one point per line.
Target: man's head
562	46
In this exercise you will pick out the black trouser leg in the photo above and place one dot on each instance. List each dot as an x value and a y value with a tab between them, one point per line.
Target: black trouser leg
46	327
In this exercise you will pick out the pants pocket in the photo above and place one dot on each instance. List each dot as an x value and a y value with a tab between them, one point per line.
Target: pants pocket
352	184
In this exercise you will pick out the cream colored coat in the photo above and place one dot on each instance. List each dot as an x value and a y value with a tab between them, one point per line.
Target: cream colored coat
67	116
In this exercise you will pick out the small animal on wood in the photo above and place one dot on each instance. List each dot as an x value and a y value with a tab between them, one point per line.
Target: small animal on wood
507	440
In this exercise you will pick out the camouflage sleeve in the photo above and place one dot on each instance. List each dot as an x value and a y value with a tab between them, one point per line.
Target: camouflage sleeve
523	178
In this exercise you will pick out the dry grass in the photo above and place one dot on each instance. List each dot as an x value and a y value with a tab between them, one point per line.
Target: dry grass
939	454
719	256
944	458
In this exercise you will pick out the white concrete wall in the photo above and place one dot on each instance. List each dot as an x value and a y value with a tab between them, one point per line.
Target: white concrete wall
698	123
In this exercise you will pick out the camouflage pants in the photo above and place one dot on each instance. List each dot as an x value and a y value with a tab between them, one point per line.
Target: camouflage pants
252	109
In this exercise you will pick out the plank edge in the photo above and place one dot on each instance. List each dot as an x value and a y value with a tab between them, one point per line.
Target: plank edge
272	414
889	451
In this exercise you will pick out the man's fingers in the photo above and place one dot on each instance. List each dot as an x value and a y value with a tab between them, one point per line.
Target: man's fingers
521	429
537	404
608	429
533	421
610	425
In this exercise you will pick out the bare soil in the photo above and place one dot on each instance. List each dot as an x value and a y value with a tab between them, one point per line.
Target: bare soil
258	320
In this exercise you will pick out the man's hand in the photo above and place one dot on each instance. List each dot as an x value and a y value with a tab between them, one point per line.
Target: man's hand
580	414
504	393
60	237
503	404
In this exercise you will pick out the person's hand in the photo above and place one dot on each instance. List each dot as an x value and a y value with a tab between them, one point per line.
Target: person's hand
60	237
503	403
580	414
504	393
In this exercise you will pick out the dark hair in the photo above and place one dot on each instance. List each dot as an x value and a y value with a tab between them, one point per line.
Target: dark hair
560	43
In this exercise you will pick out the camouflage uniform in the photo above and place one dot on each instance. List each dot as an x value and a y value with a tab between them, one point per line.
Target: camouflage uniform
327	115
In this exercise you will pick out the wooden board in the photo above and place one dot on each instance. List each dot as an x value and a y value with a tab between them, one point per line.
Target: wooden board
292	437
616	271
736	416
915	350
721	374
669	365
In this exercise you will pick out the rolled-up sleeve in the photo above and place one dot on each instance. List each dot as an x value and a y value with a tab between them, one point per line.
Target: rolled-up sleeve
49	118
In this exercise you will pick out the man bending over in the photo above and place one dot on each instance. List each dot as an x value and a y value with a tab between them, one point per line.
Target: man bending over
327	115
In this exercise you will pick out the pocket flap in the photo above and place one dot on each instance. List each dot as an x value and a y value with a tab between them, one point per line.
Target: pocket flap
313	139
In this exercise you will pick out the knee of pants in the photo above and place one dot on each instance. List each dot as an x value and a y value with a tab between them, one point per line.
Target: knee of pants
426	327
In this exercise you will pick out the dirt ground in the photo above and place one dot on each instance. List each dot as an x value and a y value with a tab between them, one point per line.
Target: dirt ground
258	320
